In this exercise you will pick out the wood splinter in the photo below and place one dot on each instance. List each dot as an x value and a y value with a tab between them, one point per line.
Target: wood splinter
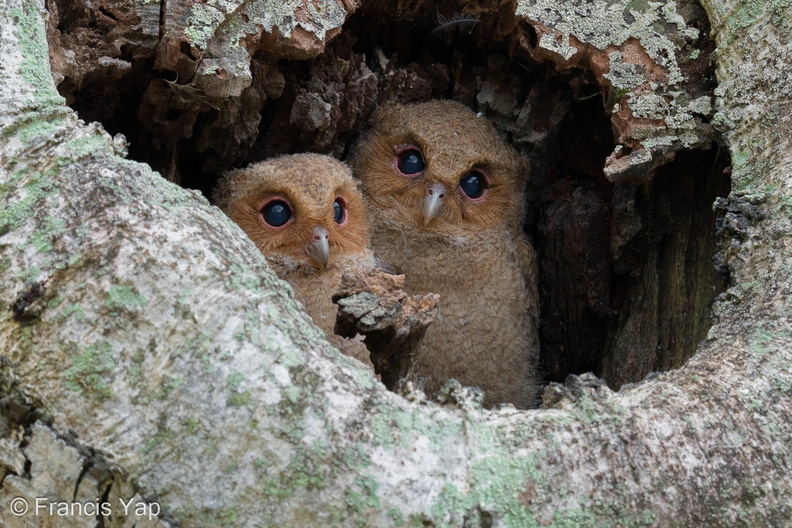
374	304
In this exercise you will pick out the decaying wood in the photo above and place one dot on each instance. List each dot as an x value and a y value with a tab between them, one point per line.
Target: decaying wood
148	347
375	305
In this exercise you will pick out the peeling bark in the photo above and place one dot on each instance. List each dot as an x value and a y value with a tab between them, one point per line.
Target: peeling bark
145	337
375	305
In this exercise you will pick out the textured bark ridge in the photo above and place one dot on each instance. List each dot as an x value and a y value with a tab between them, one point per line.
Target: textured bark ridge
148	353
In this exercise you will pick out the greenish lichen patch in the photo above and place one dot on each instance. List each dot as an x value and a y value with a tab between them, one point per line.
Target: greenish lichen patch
234	380
362	495
203	21
437	431
48	231
196	346
124	298
764	343
241	278
38	125
92	145
35	188
54	302
747	12
5	264
355	457
190	424
32	42
168	385
151	444
501	479
395	516
451	500
387	430
89	371
242	399
28	130
290	357
746	167
307	470
418	520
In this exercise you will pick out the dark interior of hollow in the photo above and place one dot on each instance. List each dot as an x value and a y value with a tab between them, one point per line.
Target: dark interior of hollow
627	275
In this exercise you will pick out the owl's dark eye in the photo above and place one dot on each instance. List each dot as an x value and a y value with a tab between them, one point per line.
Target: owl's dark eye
474	184
410	161
276	213
339	211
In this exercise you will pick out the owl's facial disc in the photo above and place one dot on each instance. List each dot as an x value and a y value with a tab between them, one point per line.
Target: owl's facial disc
433	202
318	249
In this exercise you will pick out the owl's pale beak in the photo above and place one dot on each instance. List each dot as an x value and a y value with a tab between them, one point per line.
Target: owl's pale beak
319	247
433	202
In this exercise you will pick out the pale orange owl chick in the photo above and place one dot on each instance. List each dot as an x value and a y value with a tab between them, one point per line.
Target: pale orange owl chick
445	200
305	214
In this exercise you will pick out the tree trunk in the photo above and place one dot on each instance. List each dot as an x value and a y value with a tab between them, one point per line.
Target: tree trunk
149	354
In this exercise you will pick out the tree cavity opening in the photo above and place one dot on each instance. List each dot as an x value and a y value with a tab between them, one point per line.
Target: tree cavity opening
627	278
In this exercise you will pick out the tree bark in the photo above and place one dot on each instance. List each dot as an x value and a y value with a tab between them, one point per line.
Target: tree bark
149	354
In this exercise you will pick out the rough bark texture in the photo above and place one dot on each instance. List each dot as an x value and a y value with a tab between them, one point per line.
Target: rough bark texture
374	305
149	353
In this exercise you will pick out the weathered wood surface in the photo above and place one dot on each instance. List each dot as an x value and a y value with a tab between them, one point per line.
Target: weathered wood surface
374	305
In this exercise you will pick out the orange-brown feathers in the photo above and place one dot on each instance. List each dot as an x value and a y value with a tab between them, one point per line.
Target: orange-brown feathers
305	214
309	184
463	143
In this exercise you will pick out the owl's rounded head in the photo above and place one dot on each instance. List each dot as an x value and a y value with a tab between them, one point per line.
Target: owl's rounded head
303	211
437	167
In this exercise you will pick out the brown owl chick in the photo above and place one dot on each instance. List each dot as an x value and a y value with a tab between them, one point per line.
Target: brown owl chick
305	213
445	199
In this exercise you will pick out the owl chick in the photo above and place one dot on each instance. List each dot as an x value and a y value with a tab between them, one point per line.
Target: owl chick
305	213
445	195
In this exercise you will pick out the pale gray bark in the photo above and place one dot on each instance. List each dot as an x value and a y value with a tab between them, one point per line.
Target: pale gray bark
157	349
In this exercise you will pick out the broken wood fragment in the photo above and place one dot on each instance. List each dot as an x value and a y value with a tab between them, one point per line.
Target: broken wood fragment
375	305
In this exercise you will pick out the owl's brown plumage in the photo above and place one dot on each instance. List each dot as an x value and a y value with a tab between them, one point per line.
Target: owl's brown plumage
305	214
445	201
